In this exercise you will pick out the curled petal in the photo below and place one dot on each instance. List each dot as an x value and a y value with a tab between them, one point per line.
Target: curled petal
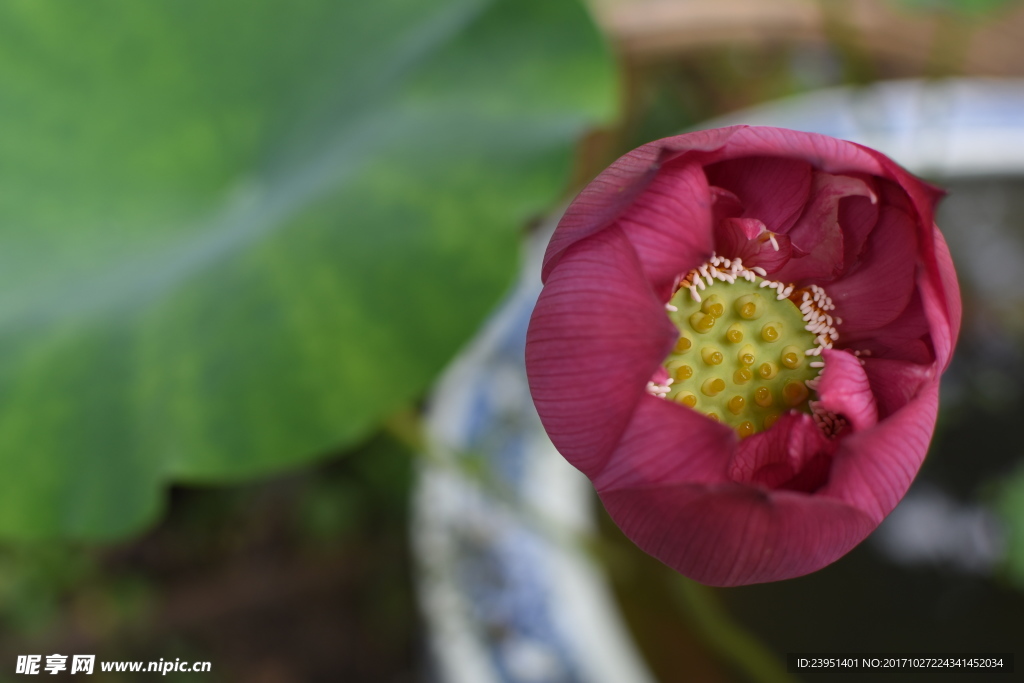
875	293
942	303
923	196
597	335
669	224
667	443
733	534
873	469
724	204
817	237
894	383
845	390
820	151
906	338
773	190
778	456
605	199
742	238
615	189
857	217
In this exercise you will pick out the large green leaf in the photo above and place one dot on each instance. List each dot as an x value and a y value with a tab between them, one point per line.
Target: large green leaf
237	233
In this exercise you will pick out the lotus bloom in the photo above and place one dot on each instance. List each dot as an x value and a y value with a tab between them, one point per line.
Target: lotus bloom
739	341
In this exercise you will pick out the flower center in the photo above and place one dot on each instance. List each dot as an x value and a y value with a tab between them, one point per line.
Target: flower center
748	348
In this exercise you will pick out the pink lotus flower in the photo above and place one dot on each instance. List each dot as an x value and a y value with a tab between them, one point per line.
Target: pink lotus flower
793	287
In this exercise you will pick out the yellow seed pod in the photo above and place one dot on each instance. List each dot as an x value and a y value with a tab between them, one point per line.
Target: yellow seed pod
767	370
742	376
750	306
736	404
792	357
734	334
702	322
769	420
712	386
682	372
771	332
714	416
711	355
745	429
763	397
795	393
713	306
746	355
683	344
686	398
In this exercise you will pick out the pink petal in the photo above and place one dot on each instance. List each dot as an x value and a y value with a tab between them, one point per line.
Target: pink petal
820	151
618	186
597	335
668	443
924	197
857	218
612	192
873	469
844	389
895	383
942	303
880	287
771	189
731	535
724	204
669	224
903	339
817	238
738	238
777	456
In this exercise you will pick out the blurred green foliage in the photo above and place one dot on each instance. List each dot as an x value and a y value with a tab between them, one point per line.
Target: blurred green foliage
1009	503
237	234
970	7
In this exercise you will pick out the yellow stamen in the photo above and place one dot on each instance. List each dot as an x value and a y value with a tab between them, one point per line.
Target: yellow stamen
795	393
702	322
736	404
750	306
713	306
712	386
686	398
711	356
792	357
